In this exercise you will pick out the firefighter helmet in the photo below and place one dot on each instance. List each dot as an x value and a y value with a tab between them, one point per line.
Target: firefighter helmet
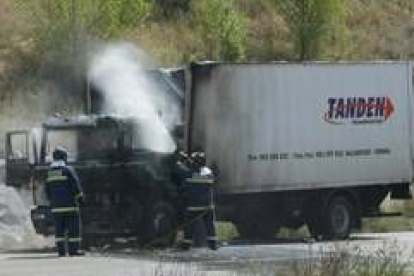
199	158
60	154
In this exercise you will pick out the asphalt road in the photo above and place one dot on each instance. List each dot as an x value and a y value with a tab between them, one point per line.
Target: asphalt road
233	259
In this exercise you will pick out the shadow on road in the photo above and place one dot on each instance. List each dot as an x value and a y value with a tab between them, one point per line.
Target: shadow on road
33	257
30	250
238	241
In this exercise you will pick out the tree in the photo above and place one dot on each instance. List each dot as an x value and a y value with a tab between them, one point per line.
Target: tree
116	15
61	34
309	21
170	8
62	22
222	27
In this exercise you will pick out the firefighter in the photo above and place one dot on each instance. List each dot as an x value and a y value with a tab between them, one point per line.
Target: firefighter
198	196
64	192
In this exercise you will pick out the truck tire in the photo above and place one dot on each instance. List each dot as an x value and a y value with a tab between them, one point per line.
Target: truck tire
161	225
339	217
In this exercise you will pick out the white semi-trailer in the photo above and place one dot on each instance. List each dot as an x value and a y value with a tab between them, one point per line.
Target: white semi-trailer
320	144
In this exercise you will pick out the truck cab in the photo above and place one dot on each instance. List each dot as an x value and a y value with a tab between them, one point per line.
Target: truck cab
128	189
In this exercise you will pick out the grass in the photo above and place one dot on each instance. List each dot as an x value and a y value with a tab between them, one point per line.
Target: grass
387	261
226	231
294	234
342	261
353	262
392	224
386	225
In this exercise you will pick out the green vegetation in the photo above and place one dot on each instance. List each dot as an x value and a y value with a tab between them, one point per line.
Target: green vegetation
386	225
178	31
392	224
343	261
222	27
100	18
226	231
42	36
62	27
293	234
352	262
310	21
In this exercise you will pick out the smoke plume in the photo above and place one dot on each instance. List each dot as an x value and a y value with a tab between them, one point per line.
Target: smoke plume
116	71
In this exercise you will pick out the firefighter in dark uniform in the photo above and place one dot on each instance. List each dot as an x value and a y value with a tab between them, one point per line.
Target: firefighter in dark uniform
198	197
64	192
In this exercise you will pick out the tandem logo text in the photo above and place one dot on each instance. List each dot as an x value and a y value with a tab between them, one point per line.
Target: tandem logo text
359	110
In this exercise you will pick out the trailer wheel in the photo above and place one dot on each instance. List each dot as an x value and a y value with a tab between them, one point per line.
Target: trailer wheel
340	216
161	225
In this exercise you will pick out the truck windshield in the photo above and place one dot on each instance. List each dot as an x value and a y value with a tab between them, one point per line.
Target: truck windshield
83	143
97	143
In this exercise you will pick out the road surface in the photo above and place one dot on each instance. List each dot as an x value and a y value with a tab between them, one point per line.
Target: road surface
247	259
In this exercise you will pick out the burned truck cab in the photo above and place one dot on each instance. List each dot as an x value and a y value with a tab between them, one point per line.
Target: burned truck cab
128	189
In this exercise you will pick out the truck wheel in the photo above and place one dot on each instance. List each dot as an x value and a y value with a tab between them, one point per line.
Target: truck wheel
339	218
161	225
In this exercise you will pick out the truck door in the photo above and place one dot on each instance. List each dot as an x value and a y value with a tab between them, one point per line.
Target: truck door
21	154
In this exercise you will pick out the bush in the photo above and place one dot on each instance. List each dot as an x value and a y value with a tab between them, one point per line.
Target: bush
222	26
352	262
310	21
64	26
170	8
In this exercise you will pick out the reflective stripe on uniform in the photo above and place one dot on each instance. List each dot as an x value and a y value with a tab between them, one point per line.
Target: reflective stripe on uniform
186	241
65	209
78	239
60	239
57	179
79	195
200	180
200	208
212	238
56	176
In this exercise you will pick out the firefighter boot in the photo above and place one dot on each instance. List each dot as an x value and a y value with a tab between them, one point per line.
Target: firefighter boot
213	245
61	247
77	253
184	245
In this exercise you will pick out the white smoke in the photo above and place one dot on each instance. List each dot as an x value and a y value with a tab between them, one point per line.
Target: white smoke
16	229
116	71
